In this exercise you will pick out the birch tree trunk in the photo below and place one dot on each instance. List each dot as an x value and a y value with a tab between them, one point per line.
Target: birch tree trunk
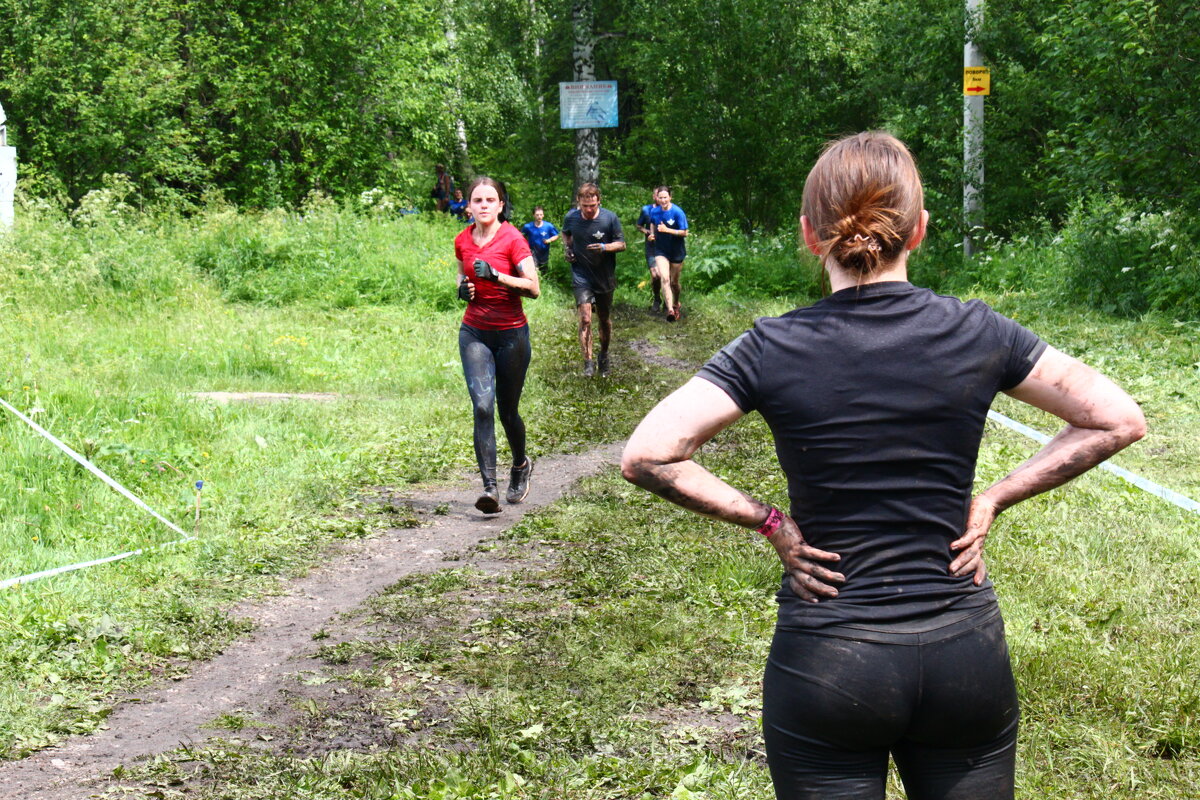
462	160
587	143
539	43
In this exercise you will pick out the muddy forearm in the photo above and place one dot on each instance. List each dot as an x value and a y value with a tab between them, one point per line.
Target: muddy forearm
687	484
1068	455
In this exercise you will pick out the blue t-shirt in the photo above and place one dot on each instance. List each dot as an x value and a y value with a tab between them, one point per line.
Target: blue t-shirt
643	221
458	208
670	247
537	236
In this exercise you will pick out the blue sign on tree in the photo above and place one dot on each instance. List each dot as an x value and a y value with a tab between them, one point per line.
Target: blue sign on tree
587	104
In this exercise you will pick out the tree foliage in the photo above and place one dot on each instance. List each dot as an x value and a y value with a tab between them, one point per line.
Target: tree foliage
728	101
266	101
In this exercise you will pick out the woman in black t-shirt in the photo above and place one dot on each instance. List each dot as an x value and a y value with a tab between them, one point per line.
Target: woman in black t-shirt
889	639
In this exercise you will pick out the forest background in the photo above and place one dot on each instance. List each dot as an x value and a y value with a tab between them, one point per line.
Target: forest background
1091	141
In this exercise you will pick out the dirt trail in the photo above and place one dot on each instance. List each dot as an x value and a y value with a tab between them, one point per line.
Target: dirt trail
250	673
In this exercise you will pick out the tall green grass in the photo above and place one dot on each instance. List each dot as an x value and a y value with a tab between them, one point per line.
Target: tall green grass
112	324
114	320
1109	255
630	667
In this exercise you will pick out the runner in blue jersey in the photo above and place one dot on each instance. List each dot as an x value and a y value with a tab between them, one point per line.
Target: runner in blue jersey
643	225
540	234
458	206
668	228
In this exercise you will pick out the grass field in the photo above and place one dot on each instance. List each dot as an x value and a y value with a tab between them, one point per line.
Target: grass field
575	669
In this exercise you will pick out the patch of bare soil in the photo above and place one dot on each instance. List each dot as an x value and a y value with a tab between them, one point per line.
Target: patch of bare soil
274	679
651	354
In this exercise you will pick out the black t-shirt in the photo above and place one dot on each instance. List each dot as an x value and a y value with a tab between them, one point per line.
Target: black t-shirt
877	397
597	270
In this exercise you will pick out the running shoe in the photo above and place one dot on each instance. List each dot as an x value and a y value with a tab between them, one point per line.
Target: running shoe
656	306
604	366
589	368
489	501
673	314
518	482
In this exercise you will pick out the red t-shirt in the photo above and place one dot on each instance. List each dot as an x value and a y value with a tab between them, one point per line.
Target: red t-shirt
495	307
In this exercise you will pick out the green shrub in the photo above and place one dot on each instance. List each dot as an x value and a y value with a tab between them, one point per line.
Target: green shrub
733	264
326	255
1124	259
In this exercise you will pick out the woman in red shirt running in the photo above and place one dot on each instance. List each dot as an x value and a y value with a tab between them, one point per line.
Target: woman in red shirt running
495	270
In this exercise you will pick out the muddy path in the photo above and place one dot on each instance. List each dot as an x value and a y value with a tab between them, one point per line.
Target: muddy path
249	676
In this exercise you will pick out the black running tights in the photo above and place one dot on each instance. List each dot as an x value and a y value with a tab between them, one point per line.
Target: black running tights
494	364
944	708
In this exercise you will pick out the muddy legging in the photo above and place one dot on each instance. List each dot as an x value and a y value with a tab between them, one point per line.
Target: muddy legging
494	364
943	703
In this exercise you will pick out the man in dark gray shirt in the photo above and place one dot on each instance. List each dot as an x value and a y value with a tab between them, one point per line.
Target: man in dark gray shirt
592	237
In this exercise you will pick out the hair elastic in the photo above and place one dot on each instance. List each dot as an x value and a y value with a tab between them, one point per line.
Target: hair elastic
872	244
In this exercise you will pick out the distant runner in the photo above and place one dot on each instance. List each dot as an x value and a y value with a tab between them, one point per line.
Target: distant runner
669	227
592	236
458	206
643	225
540	235
495	270
443	185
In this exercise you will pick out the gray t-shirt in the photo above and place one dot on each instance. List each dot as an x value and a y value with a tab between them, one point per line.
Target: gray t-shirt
877	397
593	269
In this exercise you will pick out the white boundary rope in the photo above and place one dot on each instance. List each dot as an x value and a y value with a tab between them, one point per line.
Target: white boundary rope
92	468
1184	502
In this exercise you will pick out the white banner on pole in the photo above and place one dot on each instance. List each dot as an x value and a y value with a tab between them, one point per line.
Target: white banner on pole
8	185
587	104
8	174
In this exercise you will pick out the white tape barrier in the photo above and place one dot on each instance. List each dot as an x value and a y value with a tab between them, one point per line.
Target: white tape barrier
1184	502
92	468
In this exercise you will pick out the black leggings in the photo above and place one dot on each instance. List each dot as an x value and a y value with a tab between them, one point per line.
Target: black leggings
494	364
944	705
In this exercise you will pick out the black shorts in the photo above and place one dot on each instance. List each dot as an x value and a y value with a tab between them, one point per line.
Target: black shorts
649	258
943	704
540	259
673	251
591	288
586	293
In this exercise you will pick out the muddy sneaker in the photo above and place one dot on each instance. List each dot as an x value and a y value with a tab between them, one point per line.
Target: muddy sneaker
656	306
589	368
518	482
604	365
673	315
489	501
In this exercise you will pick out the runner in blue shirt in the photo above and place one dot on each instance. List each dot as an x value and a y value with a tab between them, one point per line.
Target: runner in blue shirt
643	225
668	228
458	206
540	234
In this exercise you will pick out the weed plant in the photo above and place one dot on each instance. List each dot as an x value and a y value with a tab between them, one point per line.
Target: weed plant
1110	255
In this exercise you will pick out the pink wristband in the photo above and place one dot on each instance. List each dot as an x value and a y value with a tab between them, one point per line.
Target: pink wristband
772	523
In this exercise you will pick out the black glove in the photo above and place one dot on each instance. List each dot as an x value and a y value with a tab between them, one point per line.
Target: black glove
485	271
464	291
